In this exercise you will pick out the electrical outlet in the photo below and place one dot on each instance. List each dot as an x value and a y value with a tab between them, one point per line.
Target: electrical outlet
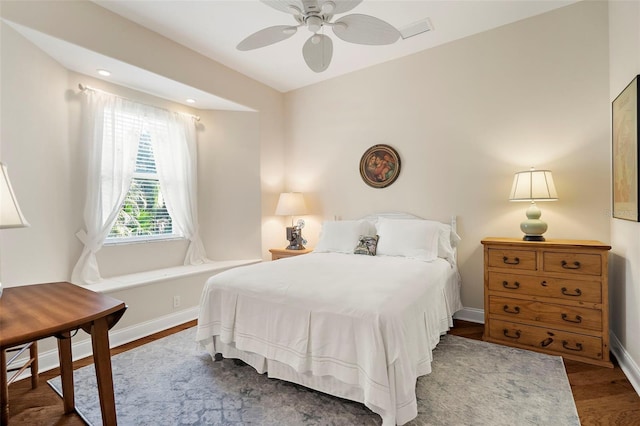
176	301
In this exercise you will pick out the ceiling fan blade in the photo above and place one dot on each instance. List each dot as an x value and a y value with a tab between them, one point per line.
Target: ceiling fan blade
317	52
328	7
285	5
267	36
311	6
339	6
365	29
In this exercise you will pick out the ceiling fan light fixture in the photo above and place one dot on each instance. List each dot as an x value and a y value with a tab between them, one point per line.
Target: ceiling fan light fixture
315	39
314	23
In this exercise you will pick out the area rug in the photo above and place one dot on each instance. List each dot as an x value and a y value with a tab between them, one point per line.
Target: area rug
174	382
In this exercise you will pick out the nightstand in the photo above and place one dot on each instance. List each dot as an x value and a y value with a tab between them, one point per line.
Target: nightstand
282	253
548	296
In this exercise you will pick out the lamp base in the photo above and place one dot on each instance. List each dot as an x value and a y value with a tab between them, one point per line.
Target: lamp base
533	227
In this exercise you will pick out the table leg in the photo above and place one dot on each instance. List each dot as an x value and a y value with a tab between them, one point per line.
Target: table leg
66	371
102	361
33	354
4	390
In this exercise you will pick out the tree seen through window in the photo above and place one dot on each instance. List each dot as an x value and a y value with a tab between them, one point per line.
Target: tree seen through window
143	212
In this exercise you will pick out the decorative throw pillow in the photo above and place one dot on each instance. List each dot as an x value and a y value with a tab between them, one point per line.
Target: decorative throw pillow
366	245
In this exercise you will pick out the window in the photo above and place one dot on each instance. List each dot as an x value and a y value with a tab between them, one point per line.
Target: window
138	157
143	215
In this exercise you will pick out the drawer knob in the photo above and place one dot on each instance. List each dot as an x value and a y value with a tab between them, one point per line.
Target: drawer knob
515	286
546	342
515	335
567	265
576	293
515	310
577	347
577	320
515	261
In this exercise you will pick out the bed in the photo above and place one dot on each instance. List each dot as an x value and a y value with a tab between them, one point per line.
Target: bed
357	326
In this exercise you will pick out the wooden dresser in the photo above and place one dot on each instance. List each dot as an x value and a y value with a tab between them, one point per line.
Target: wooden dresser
548	296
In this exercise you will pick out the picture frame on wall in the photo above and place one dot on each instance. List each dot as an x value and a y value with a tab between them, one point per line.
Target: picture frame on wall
625	158
380	166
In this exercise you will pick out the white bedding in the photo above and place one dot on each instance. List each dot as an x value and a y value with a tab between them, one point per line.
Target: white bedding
358	327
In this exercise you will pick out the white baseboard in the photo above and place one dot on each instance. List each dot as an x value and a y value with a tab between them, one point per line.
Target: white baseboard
82	349
471	315
627	364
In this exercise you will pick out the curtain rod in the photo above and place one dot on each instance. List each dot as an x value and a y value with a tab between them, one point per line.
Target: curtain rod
84	87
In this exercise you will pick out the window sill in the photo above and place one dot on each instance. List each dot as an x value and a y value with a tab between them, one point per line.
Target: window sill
123	282
148	239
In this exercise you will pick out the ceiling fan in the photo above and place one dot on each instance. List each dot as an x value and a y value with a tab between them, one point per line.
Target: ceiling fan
315	15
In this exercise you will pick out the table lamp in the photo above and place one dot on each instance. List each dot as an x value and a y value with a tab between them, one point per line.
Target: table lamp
533	185
10	214
292	204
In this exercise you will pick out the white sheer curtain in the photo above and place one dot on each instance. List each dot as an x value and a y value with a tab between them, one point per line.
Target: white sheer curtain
174	145
113	126
111	132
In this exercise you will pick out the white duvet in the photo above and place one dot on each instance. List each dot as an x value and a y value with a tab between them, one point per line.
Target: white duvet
358	327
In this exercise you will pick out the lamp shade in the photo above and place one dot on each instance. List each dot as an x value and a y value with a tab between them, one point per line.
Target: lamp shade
533	185
291	204
10	214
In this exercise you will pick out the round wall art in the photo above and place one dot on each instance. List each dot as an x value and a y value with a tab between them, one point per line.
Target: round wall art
380	166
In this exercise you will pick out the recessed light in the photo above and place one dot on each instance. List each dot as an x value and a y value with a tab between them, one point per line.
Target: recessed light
104	73
191	101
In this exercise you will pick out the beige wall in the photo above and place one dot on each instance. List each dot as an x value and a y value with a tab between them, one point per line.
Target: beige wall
624	48
34	145
229	168
464	117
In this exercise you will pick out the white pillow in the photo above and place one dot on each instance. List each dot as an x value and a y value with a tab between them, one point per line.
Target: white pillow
447	241
342	236
415	239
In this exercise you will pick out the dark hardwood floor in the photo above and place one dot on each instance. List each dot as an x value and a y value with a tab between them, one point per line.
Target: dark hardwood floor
603	396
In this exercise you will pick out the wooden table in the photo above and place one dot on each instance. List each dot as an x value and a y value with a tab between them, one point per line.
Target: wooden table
282	253
33	312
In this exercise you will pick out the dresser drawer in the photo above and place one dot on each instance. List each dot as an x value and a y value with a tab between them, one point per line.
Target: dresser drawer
513	259
572	263
547	339
564	289
546	313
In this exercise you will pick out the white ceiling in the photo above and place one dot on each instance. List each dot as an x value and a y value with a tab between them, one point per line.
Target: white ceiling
214	28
